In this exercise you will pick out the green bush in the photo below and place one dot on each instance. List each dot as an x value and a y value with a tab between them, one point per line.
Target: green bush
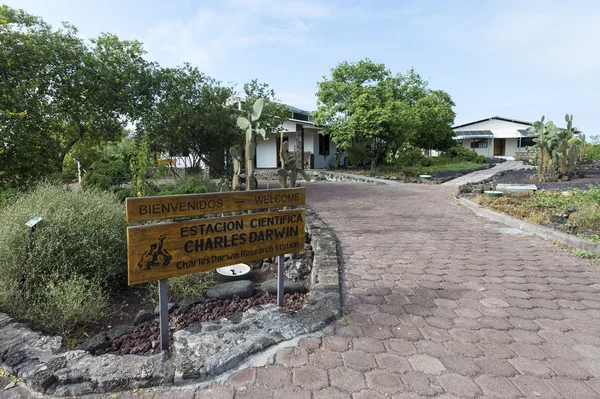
80	243
107	174
196	184
592	151
461	153
410	157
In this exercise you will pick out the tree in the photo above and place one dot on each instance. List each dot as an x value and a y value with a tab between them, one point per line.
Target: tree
273	113
190	117
57	91
364	103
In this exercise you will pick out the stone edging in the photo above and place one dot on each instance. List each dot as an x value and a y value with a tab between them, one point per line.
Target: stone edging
200	352
544	232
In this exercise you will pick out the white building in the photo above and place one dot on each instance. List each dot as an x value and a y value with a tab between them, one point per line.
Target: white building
319	150
495	136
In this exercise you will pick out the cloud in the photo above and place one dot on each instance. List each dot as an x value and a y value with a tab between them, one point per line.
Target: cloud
209	37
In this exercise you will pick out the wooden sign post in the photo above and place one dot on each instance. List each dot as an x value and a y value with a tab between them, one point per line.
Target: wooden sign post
163	250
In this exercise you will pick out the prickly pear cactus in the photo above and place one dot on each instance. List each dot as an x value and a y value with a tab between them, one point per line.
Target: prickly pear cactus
289	167
252	128
237	169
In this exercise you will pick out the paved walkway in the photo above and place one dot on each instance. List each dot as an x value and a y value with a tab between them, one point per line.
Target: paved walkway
480	175
438	303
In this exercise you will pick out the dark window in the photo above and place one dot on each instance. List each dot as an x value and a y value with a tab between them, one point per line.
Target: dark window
482	143
323	144
527	142
299	117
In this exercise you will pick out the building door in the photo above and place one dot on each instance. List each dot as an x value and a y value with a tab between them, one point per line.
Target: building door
499	146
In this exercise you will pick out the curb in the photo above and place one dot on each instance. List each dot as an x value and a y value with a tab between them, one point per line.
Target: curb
541	231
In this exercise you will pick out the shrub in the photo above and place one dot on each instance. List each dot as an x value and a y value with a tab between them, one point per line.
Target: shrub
73	302
80	243
592	151
107	174
196	184
358	155
588	216
461	153
410	157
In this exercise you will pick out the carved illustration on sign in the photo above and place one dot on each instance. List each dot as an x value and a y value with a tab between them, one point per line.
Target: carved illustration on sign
151	257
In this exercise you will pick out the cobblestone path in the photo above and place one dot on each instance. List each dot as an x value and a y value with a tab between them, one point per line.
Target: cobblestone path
438	303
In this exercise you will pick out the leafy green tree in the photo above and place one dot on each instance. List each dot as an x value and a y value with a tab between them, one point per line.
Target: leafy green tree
190	117
364	103
58	91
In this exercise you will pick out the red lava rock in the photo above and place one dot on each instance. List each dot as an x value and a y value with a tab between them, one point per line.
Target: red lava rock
140	340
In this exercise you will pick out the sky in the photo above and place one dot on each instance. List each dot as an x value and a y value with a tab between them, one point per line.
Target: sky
515	59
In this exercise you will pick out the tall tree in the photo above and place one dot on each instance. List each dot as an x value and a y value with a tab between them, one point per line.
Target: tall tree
58	90
364	103
190	117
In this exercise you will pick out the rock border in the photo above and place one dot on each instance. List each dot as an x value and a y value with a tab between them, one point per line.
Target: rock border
541	231
200	352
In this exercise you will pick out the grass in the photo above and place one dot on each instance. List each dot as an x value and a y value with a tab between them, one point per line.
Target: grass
537	207
438	165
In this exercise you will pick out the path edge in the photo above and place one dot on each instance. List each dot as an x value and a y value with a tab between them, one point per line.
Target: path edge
541	231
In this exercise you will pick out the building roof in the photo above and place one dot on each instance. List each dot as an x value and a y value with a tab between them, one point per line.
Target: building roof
492	118
473	134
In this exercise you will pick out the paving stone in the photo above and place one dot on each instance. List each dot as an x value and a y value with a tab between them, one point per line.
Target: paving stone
273	376
496	350
215	392
291	393
292	357
533	387
572	388
310	377
311	344
461	365
367	344
384	382
426	364
359	360
392	362
531	367
463	349
331	393
420	383
496	367
336	344
497	387
459	385
325	358
347	379
400	347
243	377
565	368
369	394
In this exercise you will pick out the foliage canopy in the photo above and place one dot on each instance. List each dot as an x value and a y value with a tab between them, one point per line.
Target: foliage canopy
363	102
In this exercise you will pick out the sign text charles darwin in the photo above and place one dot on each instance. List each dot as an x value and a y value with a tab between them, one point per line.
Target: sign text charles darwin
177	206
166	250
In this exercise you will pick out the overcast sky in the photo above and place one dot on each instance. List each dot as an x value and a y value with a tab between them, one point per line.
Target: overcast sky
516	59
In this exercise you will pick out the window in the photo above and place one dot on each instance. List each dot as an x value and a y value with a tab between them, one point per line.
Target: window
481	143
323	144
527	142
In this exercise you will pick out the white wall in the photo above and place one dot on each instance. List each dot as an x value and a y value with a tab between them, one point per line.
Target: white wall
486	152
511	147
266	153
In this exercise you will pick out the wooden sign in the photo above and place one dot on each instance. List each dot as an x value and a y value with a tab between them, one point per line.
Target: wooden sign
176	206
160	251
